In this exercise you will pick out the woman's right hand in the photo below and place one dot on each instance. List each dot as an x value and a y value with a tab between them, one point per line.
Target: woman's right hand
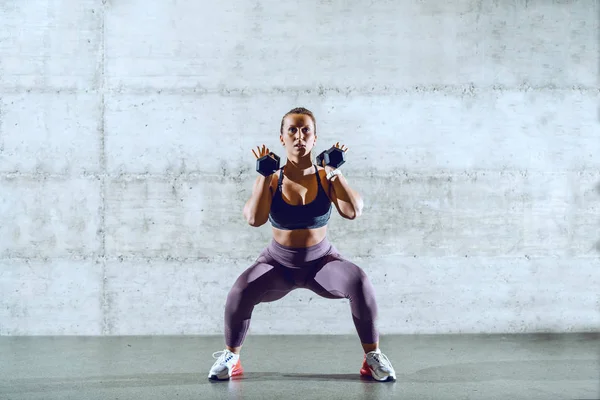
261	152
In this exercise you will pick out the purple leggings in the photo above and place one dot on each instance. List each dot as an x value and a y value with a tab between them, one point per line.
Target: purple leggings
280	269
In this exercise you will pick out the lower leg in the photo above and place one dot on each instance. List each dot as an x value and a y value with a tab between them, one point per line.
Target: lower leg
238	312
235	331
234	350
368	347
366	327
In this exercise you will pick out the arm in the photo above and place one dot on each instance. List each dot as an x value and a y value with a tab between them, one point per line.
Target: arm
347	201
256	209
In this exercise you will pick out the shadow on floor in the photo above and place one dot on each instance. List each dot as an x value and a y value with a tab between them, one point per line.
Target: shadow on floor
276	376
149	380
533	370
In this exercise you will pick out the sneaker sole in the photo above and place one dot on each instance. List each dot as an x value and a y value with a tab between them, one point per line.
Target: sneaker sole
368	373
234	372
387	379
216	378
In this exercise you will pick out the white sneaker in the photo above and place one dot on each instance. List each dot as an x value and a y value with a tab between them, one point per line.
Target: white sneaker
227	365
378	366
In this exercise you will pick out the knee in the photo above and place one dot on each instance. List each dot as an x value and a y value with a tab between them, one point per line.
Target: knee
352	275
363	287
238	294
239	303
360	277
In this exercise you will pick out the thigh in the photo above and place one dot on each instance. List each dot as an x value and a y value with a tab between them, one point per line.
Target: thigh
336	277
263	281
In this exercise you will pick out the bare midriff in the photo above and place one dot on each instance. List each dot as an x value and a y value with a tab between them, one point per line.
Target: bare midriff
299	237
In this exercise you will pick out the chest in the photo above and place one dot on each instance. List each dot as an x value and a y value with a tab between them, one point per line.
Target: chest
299	192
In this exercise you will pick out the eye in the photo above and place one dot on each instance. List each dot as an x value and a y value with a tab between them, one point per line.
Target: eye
293	129
305	130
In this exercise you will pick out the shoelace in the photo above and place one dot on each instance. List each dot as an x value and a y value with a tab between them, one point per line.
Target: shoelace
383	360
220	355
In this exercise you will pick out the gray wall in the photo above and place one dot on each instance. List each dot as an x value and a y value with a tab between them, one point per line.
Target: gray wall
126	130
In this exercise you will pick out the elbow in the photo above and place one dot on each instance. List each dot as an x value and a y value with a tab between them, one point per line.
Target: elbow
254	223
357	212
257	217
250	219
354	214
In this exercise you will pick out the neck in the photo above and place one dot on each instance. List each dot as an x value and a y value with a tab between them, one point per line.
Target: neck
299	167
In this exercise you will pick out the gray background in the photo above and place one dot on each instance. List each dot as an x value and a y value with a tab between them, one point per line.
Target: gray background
126	129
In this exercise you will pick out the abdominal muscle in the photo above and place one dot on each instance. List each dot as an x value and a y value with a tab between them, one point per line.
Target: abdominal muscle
299	237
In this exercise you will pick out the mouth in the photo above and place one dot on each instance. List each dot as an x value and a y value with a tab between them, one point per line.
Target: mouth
299	146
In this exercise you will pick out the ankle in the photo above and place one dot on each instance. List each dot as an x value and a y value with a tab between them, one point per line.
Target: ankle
369	347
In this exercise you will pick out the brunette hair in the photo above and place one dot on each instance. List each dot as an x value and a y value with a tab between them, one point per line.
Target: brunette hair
299	110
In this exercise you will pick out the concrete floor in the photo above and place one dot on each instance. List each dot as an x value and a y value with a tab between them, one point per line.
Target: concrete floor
301	367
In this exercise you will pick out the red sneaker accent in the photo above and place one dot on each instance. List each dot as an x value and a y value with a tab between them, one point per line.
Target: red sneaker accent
237	369
365	370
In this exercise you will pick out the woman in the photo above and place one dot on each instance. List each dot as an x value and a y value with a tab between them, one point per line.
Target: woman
297	200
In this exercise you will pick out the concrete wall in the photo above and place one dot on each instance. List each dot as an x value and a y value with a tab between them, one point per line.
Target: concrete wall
126	130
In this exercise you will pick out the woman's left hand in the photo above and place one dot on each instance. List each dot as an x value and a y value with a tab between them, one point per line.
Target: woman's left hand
329	168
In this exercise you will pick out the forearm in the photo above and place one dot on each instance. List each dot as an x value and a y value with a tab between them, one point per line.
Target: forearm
350	202
256	209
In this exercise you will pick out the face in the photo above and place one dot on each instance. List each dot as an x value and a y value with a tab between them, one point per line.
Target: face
298	134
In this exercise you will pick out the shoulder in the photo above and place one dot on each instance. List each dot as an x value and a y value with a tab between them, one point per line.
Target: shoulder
323	177
322	173
274	181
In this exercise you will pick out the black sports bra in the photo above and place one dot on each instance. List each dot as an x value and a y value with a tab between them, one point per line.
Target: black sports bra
308	216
